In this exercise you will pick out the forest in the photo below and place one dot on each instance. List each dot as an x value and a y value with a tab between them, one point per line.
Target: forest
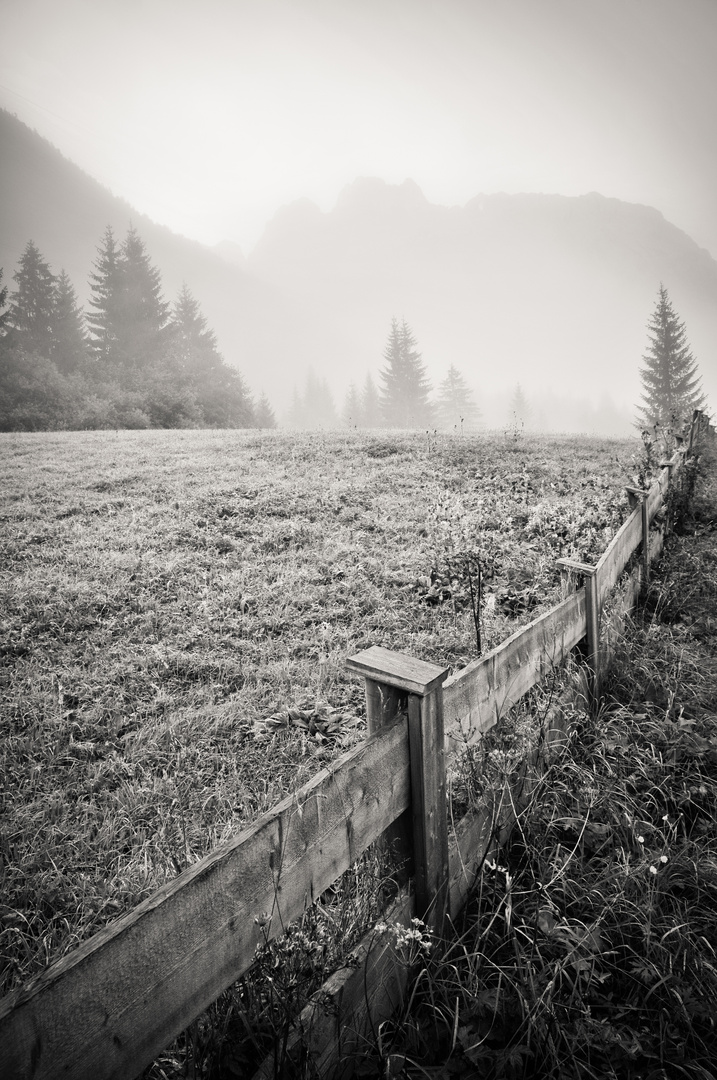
131	361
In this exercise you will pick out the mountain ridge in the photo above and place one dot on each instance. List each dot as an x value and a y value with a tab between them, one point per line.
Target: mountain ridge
550	291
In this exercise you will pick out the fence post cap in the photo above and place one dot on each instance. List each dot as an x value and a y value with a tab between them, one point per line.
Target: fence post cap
577	567
397	669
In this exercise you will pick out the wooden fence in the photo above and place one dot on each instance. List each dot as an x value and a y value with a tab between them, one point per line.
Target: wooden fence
107	1009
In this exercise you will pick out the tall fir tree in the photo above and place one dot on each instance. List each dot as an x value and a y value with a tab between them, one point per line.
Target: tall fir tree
519	410
193	344
352	413
4	313
104	317
456	406
264	414
195	363
405	391
143	312
670	379
370	404
69	349
32	304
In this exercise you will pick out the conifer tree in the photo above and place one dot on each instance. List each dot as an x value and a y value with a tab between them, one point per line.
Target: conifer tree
670	379
456	407
143	312
351	413
405	390
265	416
370	404
32	304
129	320
3	303
520	412
194	361
104	318
194	345
69	350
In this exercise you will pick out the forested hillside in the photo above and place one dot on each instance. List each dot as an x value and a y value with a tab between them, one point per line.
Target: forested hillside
549	295
133	360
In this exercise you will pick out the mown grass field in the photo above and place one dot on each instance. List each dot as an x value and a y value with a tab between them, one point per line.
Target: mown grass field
176	612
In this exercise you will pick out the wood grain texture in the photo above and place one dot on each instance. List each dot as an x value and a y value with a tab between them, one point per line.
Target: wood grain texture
618	553
429	806
397	669
476	697
108	1008
333	1028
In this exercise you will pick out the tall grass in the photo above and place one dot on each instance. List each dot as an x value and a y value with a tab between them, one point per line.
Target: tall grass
590	946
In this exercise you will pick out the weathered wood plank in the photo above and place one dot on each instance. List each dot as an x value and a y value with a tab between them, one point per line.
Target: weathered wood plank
108	1008
341	1017
396	669
618	553
428	805
476	697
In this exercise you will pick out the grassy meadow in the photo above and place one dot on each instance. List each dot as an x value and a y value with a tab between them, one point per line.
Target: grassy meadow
177	608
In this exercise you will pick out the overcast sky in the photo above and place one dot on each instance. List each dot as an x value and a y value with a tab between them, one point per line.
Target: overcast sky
208	116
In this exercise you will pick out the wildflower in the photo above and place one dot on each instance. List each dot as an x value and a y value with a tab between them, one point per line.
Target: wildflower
663	858
641	839
653	869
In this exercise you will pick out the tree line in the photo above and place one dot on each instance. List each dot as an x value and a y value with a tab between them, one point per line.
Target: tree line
131	361
402	399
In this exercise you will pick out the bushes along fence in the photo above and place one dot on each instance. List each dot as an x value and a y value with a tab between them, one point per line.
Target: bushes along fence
107	1009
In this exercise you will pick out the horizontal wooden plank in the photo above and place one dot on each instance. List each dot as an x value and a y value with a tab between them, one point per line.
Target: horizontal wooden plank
476	697
108	1008
618	553
397	669
351	1005
659	488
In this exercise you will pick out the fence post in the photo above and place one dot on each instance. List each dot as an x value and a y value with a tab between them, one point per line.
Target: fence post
592	616
639	495
392	678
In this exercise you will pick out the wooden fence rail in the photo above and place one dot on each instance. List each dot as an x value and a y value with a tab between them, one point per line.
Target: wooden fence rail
107	1009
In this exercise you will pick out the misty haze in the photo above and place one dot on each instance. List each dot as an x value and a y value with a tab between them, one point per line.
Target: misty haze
358	496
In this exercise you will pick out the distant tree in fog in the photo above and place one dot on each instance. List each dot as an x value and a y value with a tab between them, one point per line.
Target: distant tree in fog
129	321
670	380
3	303
370	404
69	347
104	316
32	304
264	414
214	393
455	404
144	313
405	391
352	413
519	412
314	408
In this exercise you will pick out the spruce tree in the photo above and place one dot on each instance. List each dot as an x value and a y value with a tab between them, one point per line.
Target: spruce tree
143	312
104	319
32	304
520	412
3	304
456	407
195	363
405	390
370	404
670	380
264	414
69	349
193	345
351	413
